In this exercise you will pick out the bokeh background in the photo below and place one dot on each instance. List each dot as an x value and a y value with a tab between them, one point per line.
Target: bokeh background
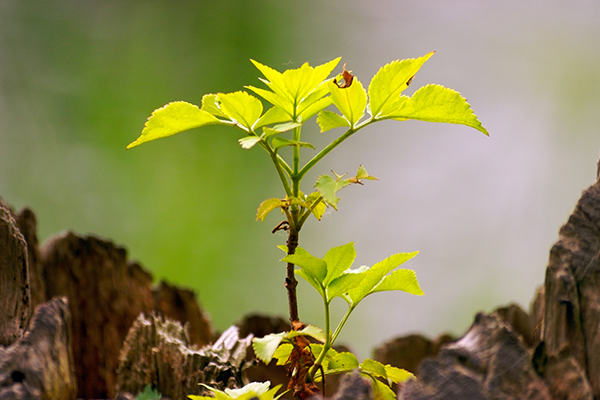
79	78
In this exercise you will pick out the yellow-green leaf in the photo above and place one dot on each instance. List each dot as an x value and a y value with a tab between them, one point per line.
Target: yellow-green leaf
328	120
435	103
242	107
402	279
248	142
174	118
267	206
351	100
211	106
274	115
389	82
397	375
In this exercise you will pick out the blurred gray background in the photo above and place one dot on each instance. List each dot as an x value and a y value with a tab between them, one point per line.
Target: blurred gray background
79	78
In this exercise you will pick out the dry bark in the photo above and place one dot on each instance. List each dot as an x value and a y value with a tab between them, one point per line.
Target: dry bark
40	364
490	362
158	352
570	352
408	352
181	305
107	293
15	302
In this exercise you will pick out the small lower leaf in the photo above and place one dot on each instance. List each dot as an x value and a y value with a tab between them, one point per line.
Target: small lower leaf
381	391
345	361
267	206
249	141
397	375
265	347
373	368
282	354
328	120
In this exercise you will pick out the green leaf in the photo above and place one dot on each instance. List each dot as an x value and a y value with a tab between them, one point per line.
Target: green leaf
265	347
313	265
389	82
381	391
249	141
279	101
300	82
363	174
211	106
148	394
374	368
314	103
435	103
174	118
342	362
402	279
397	375
274	115
329	186
241	107
267	206
313	331
277	129
274	80
255	388
317	348
375	274
312	280
343	284
297	91
282	354
338	260
351	101
319	209
279	142
328	120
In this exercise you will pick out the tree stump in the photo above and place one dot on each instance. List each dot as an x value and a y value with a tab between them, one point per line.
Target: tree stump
158	352
15	302
40	364
494	361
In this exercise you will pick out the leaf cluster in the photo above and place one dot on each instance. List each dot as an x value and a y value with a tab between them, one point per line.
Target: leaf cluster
332	276
295	96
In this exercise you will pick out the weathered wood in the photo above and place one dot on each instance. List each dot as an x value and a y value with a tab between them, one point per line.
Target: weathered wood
27	224
571	327
15	301
157	351
181	305
408	352
490	362
40	364
107	293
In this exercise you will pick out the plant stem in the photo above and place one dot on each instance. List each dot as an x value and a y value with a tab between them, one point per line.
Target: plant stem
332	146
290	281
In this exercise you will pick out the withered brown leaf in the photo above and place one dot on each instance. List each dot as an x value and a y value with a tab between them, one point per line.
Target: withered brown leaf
347	78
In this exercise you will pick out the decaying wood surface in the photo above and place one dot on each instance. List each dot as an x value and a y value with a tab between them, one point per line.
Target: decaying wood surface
571	326
15	299
107	293
494	359
39	366
157	351
552	354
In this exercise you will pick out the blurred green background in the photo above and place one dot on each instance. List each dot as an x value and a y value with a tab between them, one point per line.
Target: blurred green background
79	78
